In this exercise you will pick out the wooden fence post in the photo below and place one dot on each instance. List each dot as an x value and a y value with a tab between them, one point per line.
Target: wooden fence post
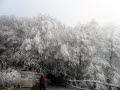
94	86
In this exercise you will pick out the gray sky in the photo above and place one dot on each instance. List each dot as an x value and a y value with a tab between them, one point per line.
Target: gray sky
69	12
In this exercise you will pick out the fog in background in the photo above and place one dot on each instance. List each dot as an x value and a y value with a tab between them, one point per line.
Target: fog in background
69	12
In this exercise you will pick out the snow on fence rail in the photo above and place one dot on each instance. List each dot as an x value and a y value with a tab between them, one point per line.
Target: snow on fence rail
92	81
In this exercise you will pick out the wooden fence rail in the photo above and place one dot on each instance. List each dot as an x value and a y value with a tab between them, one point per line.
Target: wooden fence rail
92	81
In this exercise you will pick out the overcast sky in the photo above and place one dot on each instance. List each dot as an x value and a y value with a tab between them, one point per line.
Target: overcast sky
69	12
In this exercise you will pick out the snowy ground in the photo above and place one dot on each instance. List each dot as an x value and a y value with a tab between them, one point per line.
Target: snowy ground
49	88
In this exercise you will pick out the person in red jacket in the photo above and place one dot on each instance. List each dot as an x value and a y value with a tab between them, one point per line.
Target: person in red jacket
42	82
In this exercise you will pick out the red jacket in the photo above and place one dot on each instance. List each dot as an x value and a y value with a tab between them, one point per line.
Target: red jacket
44	78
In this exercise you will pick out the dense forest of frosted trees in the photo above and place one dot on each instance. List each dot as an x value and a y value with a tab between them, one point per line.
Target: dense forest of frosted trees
84	52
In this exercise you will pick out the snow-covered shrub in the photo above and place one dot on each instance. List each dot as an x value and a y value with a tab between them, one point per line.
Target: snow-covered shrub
9	78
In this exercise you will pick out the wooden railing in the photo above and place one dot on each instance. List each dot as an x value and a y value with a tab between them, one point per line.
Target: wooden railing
76	84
